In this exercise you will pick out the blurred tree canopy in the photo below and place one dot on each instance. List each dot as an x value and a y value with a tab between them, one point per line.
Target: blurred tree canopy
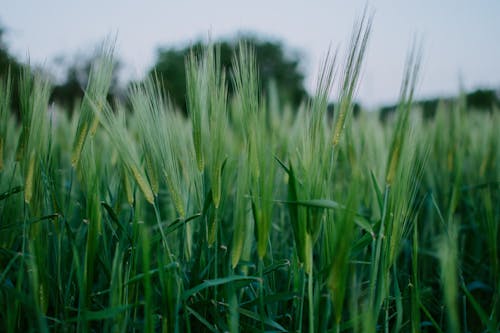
480	100
70	91
273	63
6	60
9	64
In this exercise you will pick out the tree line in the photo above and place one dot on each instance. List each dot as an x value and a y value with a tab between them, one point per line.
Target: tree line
277	67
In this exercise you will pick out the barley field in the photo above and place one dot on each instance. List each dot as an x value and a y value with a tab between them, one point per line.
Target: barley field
247	215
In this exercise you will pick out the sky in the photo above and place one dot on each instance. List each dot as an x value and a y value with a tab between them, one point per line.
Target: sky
460	38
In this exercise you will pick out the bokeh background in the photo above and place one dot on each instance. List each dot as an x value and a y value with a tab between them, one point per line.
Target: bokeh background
459	37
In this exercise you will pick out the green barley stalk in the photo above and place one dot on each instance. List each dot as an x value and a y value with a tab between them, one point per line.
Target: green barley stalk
350	76
447	252
33	152
175	157
39	292
240	220
217	120
406	99
118	134
26	110
92	219
314	150
117	295
196	81
207	106
147	105
33	147
258	142
403	173
161	137
95	97
339	236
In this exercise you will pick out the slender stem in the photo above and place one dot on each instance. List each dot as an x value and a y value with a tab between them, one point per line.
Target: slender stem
261	295
376	259
310	294
163	236
216	253
302	300
397	297
386	323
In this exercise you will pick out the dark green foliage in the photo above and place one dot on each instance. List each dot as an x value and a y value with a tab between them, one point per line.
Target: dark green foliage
69	93
9	64
356	109
482	100
273	61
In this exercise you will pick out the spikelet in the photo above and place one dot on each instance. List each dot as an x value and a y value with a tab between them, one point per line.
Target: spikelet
236	252
21	145
212	231
200	162
176	197
339	125
393	165
152	174
143	185
93	127
351	74
95	120
216	185
128	188
262	233
80	140
337	134
97	89
28	185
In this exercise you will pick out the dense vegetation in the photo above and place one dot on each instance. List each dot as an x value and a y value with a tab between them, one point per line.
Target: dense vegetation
275	64
246	215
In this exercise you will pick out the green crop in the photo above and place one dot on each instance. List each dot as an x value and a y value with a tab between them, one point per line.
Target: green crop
246	215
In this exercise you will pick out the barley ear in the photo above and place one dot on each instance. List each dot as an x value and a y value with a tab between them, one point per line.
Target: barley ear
28	185
143	185
128	188
78	146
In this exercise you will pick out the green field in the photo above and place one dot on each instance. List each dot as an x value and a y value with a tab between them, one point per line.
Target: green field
247	215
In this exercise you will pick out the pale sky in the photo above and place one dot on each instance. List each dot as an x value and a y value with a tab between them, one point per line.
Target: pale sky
461	38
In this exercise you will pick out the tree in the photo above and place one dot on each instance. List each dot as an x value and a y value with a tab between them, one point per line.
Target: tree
70	92
272	62
9	65
7	62
482	100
